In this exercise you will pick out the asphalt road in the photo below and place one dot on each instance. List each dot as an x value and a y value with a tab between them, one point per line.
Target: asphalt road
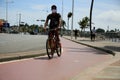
11	43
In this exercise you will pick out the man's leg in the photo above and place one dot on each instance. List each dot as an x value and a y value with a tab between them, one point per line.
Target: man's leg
50	35
58	39
57	36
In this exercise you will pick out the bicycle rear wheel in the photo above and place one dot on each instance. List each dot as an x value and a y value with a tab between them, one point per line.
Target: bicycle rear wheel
48	49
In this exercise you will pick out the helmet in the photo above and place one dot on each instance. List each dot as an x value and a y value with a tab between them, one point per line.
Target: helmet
53	7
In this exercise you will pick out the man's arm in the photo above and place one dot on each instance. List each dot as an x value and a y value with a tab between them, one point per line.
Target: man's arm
46	23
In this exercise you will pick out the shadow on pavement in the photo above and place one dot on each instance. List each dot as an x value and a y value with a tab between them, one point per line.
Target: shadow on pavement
114	48
84	50
46	57
85	40
102	53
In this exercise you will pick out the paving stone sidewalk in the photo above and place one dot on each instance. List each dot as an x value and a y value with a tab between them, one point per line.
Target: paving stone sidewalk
109	70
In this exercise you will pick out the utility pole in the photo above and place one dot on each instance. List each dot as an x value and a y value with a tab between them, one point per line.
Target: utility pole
61	32
72	19
6	11
19	22
62	9
6	22
108	28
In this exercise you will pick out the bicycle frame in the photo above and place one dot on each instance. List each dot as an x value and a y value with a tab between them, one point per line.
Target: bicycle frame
52	44
53	38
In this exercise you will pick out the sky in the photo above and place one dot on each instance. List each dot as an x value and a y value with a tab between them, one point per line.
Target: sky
106	13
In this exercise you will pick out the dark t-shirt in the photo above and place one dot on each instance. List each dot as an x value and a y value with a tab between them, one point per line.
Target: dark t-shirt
54	20
76	32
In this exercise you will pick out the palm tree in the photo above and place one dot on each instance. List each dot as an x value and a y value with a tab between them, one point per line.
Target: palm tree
84	23
69	16
26	28
91	17
63	24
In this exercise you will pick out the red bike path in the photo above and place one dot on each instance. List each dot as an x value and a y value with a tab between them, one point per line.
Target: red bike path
75	58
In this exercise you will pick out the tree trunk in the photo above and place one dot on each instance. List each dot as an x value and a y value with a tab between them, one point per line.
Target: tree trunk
84	32
91	18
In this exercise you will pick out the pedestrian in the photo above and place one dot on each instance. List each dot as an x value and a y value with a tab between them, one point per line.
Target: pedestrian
93	34
76	33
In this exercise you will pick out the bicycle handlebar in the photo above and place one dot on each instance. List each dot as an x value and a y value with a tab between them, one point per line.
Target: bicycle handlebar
54	29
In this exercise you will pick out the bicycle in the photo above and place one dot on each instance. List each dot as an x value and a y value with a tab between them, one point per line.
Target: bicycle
52	45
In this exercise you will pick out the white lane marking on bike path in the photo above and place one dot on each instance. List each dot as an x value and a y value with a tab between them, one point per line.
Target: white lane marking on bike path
18	60
14	61
62	50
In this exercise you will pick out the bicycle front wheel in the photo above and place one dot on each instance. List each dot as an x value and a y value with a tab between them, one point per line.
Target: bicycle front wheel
48	49
59	49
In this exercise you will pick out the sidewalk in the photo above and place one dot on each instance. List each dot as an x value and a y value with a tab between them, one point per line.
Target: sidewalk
109	70
105	45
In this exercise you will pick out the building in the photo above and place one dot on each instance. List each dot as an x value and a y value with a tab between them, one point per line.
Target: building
1	24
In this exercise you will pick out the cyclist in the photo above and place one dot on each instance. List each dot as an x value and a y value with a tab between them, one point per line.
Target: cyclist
55	22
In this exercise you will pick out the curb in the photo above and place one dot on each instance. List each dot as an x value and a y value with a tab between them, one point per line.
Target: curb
22	56
102	49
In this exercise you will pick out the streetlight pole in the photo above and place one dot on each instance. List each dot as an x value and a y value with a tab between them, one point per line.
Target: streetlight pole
91	8
72	19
